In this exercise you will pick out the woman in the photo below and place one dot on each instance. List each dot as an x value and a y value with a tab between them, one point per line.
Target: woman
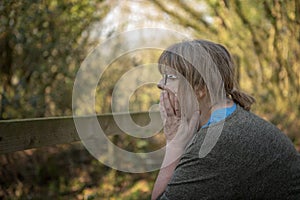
216	148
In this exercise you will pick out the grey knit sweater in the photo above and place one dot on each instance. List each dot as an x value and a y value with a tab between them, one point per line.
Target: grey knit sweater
252	159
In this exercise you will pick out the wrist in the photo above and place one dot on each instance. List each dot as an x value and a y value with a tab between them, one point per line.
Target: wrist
174	150
172	156
175	145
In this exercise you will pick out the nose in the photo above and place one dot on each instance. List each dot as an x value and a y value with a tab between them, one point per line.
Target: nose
160	84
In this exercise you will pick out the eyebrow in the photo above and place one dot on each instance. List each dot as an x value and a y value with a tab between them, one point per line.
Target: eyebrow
170	71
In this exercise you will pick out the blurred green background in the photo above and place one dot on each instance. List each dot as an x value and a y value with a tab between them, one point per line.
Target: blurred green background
43	43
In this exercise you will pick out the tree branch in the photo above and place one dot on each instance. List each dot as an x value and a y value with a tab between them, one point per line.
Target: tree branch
185	22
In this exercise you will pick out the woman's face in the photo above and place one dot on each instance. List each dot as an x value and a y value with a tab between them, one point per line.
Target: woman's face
179	90
169	81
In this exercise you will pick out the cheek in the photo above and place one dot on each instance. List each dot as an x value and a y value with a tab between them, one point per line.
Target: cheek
174	87
188	101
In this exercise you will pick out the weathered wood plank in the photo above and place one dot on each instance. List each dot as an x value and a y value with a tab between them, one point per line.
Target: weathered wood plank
16	135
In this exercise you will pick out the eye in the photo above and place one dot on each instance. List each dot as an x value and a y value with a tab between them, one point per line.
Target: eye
170	76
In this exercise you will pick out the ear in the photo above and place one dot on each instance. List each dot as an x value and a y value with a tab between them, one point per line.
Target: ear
201	92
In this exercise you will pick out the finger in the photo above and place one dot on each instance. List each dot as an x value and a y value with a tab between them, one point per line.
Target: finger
172	99
177	107
166	102
162	107
194	122
161	98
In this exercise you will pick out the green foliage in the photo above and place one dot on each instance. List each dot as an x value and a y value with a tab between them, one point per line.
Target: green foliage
42	46
67	173
135	67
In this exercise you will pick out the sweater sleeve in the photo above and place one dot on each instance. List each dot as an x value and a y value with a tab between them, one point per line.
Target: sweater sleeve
202	178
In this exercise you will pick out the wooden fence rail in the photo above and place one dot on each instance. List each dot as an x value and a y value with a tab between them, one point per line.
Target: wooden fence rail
22	134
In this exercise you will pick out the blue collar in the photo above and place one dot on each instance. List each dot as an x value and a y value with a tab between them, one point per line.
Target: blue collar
219	115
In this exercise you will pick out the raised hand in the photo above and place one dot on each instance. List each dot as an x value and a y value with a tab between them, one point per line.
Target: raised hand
177	129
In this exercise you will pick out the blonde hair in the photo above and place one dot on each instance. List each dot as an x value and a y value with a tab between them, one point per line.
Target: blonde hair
206	64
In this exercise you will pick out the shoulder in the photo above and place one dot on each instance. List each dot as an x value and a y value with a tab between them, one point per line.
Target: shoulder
247	124
243	120
246	127
242	133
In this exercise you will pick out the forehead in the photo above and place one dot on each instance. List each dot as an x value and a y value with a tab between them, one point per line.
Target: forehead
164	69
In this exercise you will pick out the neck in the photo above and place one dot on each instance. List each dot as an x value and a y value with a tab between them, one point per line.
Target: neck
207	109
